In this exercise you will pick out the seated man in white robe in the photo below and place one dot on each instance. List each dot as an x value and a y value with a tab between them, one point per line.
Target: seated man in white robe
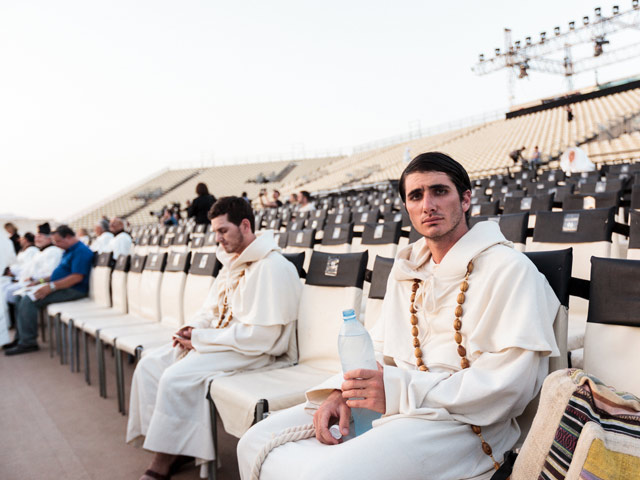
247	321
463	342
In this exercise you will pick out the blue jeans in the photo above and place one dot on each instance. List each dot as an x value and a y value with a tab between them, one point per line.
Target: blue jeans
27	313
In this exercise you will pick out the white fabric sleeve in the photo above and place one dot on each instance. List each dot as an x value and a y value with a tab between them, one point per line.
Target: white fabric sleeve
498	386
239	337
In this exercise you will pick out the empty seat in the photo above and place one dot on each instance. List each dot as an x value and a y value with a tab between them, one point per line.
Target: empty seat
379	239
589	233
379	276
302	241
489	208
633	253
613	325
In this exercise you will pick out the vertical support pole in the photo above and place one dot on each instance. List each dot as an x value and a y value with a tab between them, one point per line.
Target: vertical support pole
87	374
70	350
50	328
215	464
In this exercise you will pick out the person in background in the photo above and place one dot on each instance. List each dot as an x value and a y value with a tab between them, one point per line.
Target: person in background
103	236
7	257
293	200
83	235
246	197
121	242
201	205
69	281
12	230
304	200
264	201
168	219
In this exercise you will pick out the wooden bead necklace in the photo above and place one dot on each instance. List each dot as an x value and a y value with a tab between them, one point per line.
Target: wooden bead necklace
457	336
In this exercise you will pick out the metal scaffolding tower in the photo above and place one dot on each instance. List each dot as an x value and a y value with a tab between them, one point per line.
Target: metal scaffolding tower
543	56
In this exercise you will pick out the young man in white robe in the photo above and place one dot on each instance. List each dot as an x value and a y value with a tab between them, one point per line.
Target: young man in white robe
444	365
247	321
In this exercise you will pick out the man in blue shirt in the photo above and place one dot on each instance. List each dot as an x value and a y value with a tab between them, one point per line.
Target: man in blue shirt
69	281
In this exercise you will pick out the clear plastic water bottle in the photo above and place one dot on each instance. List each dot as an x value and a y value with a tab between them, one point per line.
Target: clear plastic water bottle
356	351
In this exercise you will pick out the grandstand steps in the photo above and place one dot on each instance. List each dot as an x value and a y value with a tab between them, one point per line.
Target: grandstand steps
164	193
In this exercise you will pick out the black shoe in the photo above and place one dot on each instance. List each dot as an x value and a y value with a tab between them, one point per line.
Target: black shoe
18	349
10	345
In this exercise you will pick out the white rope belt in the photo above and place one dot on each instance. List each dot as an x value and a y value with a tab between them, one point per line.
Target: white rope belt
291	434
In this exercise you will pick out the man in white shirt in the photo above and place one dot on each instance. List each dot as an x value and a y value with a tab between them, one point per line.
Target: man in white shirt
121	242
103	237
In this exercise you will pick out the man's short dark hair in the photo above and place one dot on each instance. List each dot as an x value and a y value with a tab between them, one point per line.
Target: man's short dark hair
236	209
29	237
306	194
437	162
64	231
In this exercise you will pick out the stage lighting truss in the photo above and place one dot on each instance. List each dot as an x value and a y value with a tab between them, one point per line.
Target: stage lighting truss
552	53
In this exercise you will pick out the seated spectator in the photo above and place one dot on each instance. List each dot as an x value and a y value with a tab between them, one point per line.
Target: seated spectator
27	251
535	158
168	219
121	242
12	230
304	200
69	281
7	257
39	267
201	205
245	323
451	378
83	236
516	155
103	236
264	201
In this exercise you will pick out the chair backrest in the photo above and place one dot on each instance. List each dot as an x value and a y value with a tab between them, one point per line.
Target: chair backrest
338	218
202	272
379	239
133	283
633	253
101	278
209	244
281	239
531	203
513	226
591	200
172	288
180	242
612	337
635	195
488	208
333	284
337	238
555	265
297	259
150	282
119	282
379	276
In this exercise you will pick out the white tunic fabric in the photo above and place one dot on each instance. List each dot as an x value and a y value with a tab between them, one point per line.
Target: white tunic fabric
119	245
41	265
7	257
101	243
23	258
507	330
168	393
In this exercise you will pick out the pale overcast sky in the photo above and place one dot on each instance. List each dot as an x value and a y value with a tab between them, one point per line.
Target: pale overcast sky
94	96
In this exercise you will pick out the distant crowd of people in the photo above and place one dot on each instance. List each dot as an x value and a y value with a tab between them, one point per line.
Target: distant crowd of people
48	267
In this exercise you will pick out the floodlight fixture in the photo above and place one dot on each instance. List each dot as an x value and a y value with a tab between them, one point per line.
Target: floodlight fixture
598	12
528	40
523	70
556	30
572	25
543	36
616	9
585	20
497	52
481	57
634	3
517	44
